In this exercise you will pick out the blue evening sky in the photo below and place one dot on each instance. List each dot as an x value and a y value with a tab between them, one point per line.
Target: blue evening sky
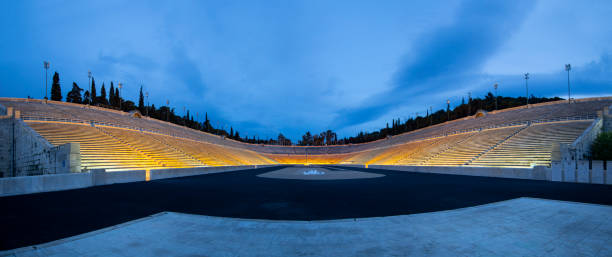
266	67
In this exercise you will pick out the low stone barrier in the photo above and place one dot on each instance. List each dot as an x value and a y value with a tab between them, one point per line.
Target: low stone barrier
100	177
580	171
56	182
536	173
43	183
174	173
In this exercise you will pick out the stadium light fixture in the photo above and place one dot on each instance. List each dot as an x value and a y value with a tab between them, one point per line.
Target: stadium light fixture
46	67
90	88
527	88
147	95
495	86
568	67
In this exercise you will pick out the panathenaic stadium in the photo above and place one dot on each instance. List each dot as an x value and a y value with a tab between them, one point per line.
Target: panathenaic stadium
72	175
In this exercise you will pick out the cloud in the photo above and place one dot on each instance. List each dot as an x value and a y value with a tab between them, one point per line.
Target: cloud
478	30
131	59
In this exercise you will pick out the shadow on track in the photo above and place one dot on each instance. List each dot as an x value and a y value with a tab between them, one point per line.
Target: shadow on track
43	217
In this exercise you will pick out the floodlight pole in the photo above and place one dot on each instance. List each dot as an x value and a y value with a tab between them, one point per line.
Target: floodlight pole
147	95
568	67
495	86
527	88
46	66
90	88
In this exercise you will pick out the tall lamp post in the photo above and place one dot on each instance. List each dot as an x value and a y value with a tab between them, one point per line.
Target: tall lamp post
90	88
495	86
120	86
568	67
46	66
527	88
147	95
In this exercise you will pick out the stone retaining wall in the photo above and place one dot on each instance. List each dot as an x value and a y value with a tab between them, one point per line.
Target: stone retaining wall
536	173
45	183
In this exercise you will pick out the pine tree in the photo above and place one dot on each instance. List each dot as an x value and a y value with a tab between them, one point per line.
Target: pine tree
93	91
111	95
86	97
141	101
74	96
56	90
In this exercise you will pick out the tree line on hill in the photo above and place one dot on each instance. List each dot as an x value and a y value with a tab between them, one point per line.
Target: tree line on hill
469	108
113	100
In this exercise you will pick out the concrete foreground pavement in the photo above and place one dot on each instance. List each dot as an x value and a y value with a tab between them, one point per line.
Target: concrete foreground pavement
518	227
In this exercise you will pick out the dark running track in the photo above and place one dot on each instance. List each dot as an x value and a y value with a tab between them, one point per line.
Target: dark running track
38	218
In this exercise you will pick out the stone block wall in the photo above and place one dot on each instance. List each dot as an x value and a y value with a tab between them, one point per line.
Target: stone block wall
582	145
23	152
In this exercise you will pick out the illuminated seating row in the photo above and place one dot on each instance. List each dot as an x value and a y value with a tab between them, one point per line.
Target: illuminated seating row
177	146
309	159
116	149
215	155
532	146
416	152
163	153
462	153
98	151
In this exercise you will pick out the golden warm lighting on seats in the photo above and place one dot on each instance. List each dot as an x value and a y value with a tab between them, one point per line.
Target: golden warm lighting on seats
114	140
309	159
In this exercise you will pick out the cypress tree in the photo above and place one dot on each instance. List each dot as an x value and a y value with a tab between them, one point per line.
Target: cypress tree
103	99
141	101
93	91
111	95
117	97
56	90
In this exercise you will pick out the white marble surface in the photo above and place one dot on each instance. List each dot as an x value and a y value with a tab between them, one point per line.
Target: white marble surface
519	227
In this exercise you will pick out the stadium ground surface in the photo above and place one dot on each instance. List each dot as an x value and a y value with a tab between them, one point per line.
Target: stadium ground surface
44	217
517	227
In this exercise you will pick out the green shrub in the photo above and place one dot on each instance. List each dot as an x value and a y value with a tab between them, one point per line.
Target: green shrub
602	146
